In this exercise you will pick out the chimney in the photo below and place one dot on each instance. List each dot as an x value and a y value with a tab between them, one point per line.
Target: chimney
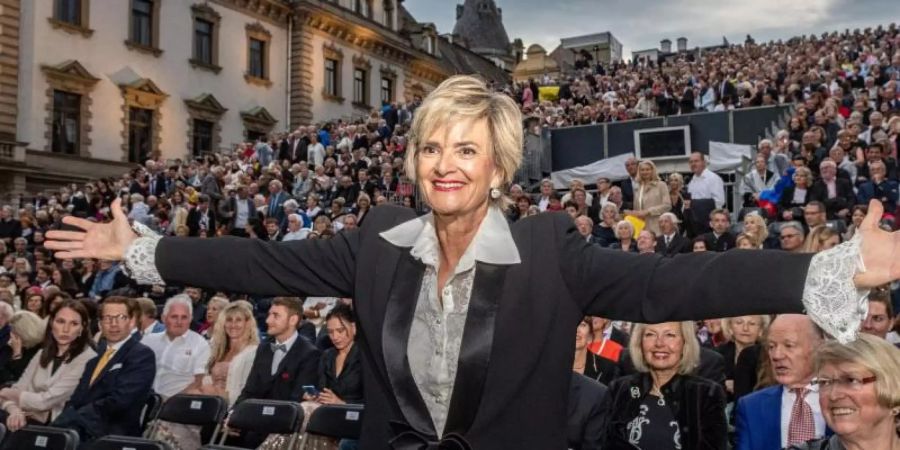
459	11
682	44
665	46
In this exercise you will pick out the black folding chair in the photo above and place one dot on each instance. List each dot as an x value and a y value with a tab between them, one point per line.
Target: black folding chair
128	443
201	410
335	421
34	437
264	417
2	433
151	409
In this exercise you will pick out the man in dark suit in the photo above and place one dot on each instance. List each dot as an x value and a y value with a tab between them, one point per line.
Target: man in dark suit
587	415
628	184
284	364
242	212
202	218
276	199
670	242
834	191
117	382
719	239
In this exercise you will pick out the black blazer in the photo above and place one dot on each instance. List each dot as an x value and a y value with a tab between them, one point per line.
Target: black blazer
349	384
113	404
298	368
696	403
588	408
678	244
193	222
516	352
722	243
845	198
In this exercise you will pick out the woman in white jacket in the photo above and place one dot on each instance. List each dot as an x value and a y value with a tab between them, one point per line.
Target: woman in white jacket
54	372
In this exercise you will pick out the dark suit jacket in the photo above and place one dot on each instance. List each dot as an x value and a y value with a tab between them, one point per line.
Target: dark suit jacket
193	222
845	198
627	193
516	353
113	404
720	244
232	206
678	244
588	406
297	369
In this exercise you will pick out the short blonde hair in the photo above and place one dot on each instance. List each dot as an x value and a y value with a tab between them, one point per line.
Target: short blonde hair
654	176
764	321
29	327
873	353
690	352
467	97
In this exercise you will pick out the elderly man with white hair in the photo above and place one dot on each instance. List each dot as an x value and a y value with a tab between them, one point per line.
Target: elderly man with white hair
295	229
181	354
670	242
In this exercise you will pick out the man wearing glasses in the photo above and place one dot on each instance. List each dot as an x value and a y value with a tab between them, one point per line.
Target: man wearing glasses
791	237
117	382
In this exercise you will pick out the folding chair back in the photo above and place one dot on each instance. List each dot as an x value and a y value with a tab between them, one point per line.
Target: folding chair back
128	443
35	437
337	421
151	409
193	409
267	416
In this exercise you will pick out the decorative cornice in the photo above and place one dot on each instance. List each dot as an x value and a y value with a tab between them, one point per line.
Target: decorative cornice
70	70
206	102
259	116
361	62
387	71
203	10
258	29
357	35
277	12
332	52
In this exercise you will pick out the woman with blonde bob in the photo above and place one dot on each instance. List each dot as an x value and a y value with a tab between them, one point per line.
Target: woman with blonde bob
859	394
651	196
741	352
463	267
755	227
664	391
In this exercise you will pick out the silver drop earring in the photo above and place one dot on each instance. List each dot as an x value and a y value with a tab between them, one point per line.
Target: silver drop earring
495	193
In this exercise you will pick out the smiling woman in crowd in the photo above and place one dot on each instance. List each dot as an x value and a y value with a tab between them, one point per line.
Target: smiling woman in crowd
663	406
859	393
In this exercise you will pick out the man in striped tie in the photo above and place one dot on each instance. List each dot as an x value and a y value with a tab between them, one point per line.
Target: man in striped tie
115	384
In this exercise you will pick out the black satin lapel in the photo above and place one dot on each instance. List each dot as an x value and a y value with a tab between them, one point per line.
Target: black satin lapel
395	338
475	351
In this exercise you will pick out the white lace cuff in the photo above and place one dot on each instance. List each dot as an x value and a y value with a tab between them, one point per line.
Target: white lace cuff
831	299
140	256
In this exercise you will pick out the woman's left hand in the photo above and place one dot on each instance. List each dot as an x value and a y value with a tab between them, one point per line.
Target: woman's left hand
328	397
15	344
880	251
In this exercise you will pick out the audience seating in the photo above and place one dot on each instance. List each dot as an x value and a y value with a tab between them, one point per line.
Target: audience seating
34	437
202	410
151	409
264	416
336	421
128	443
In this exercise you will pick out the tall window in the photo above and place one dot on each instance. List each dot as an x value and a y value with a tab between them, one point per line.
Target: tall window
202	137
257	58
389	14
68	11
66	122
387	90
331	77
359	86
142	22
140	134
203	41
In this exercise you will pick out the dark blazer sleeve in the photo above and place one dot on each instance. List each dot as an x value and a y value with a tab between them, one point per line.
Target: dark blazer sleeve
308	370
684	287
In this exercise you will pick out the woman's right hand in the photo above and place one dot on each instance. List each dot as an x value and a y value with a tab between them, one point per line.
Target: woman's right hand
16	421
97	240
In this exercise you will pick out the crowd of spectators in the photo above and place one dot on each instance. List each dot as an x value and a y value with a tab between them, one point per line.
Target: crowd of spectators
677	385
855	68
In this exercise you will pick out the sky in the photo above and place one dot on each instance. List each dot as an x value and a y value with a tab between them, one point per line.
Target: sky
641	24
